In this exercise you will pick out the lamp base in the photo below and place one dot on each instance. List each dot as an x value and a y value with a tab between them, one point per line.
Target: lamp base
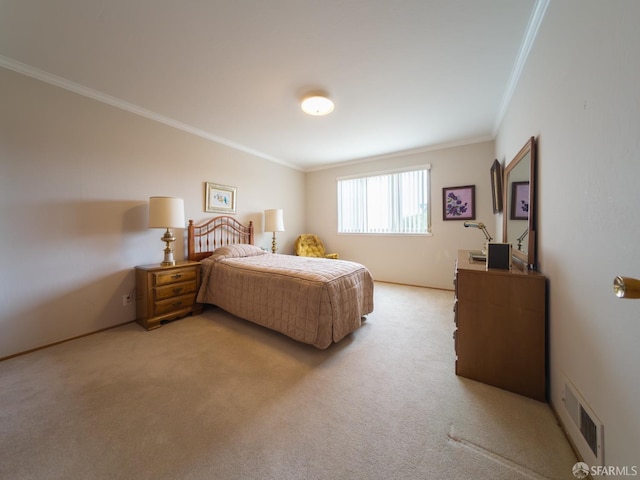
168	238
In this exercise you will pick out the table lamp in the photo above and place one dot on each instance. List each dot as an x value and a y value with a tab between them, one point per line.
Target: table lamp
273	222
166	212
482	227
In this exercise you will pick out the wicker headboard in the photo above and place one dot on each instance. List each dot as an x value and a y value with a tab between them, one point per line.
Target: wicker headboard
204	239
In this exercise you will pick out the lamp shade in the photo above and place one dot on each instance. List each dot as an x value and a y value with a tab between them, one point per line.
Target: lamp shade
273	220
166	212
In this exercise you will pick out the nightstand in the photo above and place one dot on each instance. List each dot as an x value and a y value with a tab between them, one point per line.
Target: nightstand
166	293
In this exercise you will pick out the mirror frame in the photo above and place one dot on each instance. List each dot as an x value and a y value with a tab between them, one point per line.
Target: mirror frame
528	258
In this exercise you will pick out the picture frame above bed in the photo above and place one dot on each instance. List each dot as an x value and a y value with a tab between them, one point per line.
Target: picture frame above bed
219	198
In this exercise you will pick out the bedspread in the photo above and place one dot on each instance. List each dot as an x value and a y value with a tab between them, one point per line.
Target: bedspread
312	300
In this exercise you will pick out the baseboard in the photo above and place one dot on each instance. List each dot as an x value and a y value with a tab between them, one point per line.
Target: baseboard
568	437
63	341
414	285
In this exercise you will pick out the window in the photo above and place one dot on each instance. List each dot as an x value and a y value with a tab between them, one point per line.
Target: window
390	202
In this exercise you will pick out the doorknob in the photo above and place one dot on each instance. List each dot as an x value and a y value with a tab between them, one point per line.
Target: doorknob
626	287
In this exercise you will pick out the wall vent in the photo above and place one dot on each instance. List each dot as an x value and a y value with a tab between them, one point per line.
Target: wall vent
589	430
585	429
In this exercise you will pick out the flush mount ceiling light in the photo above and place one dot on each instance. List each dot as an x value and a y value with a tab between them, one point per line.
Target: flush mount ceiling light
317	105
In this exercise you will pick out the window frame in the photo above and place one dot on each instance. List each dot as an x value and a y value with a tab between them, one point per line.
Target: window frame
412	168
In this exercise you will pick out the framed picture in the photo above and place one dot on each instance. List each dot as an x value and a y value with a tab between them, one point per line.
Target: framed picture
219	198
459	203
496	186
519	201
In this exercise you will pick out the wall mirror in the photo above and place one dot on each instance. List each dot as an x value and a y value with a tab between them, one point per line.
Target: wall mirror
519	228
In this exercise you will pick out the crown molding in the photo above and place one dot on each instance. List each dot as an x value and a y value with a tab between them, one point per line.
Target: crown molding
61	82
539	9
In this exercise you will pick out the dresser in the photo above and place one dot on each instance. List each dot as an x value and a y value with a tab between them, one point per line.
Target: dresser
166	293
500	316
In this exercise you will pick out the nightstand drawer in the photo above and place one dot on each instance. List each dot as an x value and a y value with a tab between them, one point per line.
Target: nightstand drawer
173	304
182	275
174	290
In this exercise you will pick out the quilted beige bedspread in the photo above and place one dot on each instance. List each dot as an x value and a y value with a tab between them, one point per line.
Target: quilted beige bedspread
313	300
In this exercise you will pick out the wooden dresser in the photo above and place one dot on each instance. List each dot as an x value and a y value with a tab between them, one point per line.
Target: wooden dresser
166	293
501	327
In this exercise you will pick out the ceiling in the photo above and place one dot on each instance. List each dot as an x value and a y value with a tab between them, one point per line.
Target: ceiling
405	75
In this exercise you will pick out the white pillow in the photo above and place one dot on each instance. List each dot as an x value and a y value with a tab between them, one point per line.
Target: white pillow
237	250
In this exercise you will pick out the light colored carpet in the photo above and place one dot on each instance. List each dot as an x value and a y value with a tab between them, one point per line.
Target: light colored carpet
215	397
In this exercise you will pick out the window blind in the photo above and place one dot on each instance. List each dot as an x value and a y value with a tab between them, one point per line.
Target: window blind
392	202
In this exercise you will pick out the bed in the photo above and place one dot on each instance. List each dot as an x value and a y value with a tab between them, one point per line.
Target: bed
315	301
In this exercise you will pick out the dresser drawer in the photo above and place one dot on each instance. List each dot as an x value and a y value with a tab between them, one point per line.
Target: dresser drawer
174	290
173	304
174	276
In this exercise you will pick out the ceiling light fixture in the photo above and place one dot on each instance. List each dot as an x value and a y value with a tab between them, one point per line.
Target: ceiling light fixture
317	105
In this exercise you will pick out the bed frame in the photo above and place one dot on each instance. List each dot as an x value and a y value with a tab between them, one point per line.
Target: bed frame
217	232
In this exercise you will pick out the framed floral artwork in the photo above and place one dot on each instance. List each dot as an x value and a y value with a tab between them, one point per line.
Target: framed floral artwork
519	201
459	203
219	198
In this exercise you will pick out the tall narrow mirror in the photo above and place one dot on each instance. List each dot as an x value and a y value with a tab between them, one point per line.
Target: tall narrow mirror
519	205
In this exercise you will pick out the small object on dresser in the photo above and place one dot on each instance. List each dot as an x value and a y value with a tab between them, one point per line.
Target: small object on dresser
477	256
499	255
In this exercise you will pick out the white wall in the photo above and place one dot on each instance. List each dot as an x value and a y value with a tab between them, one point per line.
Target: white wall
579	94
75	177
415	260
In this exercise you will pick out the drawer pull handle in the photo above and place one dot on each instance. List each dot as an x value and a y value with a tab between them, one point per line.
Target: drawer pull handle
177	290
176	275
176	304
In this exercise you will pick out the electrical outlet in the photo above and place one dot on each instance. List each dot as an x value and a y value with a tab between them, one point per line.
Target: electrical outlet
126	300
